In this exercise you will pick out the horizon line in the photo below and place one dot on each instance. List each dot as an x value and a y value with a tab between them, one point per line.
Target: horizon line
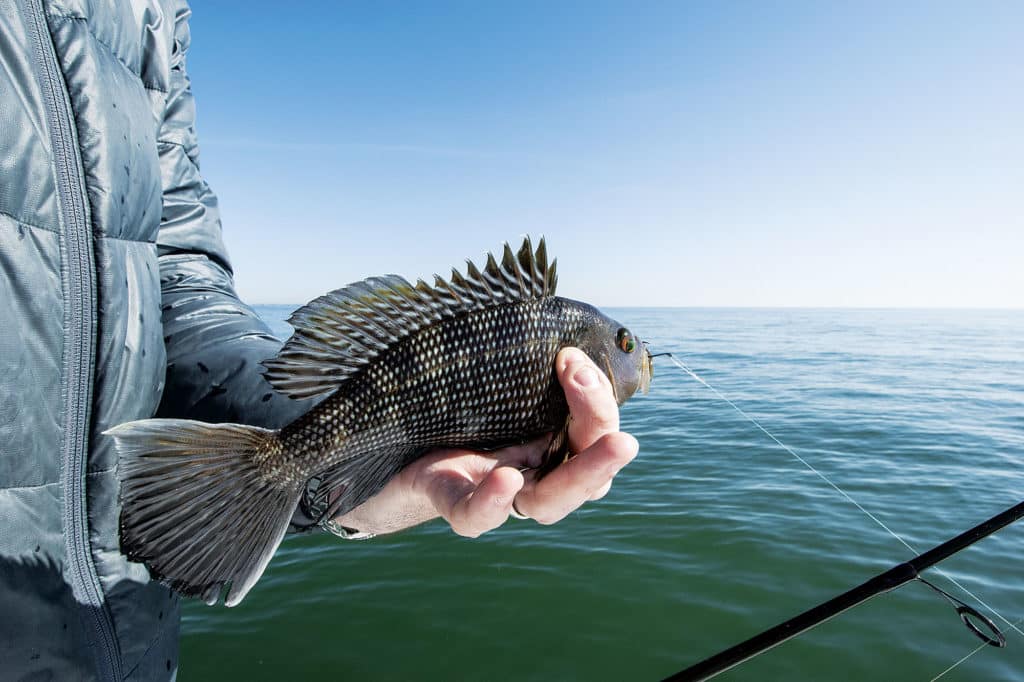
766	307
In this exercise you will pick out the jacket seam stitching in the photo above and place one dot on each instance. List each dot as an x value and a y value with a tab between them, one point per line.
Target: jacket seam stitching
145	654
52	483
110	50
27	224
184	150
31	487
100	235
194	162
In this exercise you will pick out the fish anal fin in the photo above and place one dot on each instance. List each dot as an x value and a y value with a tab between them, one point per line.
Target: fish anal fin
345	486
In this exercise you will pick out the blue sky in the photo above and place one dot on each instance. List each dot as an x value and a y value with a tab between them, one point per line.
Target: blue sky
678	153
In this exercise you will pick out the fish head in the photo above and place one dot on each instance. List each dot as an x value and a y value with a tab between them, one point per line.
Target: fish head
620	354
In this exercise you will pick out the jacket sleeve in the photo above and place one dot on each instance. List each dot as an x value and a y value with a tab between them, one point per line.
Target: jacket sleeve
214	341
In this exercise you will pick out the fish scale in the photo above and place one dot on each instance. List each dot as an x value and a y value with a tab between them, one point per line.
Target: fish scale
495	388
400	369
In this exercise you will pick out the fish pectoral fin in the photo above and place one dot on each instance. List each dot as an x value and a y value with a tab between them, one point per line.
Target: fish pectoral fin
557	452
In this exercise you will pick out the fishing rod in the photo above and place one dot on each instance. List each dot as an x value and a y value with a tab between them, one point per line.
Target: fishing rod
884	582
889	580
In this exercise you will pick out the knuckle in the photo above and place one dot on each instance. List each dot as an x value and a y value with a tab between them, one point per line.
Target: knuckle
601	492
622	445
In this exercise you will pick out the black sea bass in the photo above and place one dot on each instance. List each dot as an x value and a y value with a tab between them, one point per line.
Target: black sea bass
400	369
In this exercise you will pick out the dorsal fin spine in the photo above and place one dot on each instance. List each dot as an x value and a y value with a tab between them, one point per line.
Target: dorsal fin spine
494	279
509	269
384	304
542	262
479	284
415	300
527	265
443	285
342	331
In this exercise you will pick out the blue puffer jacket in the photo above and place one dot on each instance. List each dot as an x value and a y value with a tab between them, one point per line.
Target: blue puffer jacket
116	302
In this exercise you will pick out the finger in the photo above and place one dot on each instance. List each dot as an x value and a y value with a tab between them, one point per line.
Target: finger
601	492
590	397
577	480
526	456
472	510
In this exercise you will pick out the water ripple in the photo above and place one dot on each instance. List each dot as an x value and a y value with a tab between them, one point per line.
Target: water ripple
713	534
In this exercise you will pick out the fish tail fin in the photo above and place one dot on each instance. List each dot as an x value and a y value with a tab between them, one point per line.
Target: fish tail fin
196	507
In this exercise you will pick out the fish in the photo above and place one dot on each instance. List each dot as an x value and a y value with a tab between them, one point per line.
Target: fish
397	370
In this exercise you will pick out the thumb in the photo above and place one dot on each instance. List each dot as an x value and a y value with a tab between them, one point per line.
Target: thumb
589	394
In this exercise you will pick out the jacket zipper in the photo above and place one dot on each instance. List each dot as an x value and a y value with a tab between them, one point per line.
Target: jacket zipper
79	293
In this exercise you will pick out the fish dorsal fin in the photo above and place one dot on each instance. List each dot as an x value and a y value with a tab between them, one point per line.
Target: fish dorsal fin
342	331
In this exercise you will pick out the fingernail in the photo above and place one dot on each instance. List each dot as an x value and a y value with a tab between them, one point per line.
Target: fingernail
586	377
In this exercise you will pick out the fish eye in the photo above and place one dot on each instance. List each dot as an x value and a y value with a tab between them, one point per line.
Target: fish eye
626	341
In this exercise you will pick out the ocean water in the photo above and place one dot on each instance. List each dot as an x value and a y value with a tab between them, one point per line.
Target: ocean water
713	534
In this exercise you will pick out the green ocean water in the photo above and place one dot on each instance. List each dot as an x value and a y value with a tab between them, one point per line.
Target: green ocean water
713	534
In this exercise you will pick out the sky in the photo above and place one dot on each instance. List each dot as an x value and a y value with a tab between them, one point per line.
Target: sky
820	154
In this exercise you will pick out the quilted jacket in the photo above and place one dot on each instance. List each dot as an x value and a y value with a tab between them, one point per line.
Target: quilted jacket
116	303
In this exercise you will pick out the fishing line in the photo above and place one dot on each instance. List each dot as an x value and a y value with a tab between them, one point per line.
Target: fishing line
842	492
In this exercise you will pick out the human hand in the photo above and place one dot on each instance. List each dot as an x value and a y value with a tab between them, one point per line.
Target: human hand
475	492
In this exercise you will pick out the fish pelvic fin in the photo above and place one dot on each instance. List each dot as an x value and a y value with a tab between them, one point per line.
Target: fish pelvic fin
557	452
196	506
